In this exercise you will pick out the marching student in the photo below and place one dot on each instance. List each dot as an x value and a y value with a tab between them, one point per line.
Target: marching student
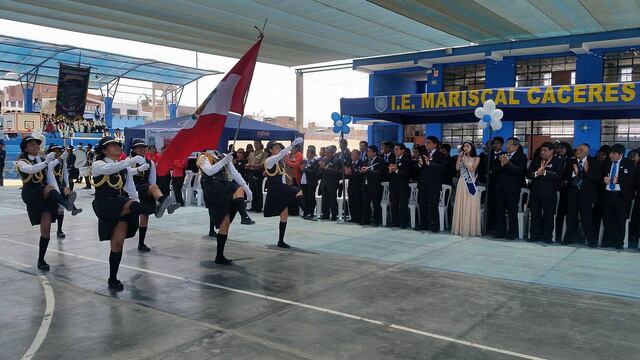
116	203
226	190
151	196
42	198
279	194
59	176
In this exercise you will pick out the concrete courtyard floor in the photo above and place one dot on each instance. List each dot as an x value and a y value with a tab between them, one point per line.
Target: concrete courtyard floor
342	292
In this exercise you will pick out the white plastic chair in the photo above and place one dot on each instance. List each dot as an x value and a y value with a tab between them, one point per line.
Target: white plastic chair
385	203
413	203
341	202
198	189
264	187
186	186
523	212
445	197
318	201
193	189
482	192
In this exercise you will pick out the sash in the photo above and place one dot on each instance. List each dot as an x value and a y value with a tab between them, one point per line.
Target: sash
469	180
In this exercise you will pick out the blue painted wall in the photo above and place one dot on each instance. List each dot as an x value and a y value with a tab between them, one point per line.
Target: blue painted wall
500	74
589	69
388	84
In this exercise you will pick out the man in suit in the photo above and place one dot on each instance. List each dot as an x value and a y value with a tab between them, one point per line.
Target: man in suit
507	177
431	164
363	147
329	184
356	184
493	161
399	173
583	178
546	172
373	188
619	190
387	157
309	181
344	161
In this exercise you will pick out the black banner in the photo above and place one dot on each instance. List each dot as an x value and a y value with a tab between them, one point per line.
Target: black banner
73	84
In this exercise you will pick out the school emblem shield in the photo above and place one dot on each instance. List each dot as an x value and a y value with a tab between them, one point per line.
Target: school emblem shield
381	103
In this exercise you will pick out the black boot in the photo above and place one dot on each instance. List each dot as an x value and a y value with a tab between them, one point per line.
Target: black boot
114	264
281	243
241	207
70	200
42	250
163	204
142	233
59	233
220	259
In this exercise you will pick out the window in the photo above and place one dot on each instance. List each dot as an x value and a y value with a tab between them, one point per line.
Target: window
546	71
414	133
455	134
558	130
623	131
115	111
464	77
621	66
132	112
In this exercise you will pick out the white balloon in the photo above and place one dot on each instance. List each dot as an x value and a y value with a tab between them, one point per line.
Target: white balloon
338	123
496	124
497	114
489	106
479	112
483	124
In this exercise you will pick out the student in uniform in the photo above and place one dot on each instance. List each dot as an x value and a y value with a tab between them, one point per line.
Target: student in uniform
546	172
399	173
41	198
226	190
61	183
279	194
372	171
116	203
151	196
619	189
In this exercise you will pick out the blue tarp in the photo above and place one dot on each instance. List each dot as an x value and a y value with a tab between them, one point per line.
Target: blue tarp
582	101
249	130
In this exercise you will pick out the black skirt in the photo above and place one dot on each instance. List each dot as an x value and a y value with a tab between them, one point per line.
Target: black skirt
218	197
33	197
146	200
279	197
108	210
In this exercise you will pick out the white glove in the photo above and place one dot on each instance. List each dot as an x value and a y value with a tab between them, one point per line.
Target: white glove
247	192
297	141
64	156
142	168
132	171
227	158
136	160
50	157
54	163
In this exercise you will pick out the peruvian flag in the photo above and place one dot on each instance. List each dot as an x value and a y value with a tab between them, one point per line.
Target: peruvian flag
204	128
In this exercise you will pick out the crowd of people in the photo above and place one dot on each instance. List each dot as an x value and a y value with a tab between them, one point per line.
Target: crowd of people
67	128
570	193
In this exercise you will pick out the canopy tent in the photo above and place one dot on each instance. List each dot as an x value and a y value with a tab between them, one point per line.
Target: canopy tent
583	101
160	132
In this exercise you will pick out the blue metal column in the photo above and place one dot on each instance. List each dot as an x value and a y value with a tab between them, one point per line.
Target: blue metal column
500	74
435	83
27	94
28	82
173	111
589	68
108	111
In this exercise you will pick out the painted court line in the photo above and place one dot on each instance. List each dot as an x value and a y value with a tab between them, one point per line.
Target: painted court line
50	303
298	304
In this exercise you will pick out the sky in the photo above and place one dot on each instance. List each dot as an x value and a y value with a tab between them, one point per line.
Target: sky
272	90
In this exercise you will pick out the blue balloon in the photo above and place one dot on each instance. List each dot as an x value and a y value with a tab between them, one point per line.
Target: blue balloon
335	116
336	129
486	118
346	129
346	119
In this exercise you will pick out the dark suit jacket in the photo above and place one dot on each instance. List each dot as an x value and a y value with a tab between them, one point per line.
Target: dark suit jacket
374	175
330	174
548	184
401	178
313	171
626	176
509	178
590	181
356	179
385	163
431	175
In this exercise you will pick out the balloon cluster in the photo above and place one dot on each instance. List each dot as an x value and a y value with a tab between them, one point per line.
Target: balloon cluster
489	115
341	123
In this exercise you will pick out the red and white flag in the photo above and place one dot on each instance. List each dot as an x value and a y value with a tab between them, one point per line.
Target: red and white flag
204	128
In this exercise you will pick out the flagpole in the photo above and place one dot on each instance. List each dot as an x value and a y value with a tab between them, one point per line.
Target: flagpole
244	102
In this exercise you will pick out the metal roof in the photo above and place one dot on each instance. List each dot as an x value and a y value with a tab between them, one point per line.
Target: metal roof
20	56
312	31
